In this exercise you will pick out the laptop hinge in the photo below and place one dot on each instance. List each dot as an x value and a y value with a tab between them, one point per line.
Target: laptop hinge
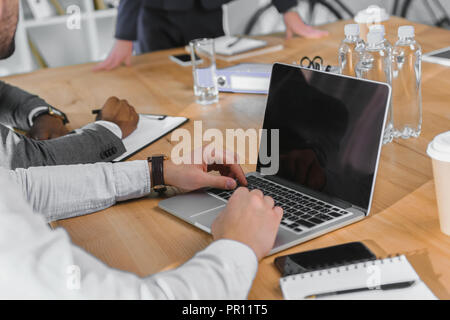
354	208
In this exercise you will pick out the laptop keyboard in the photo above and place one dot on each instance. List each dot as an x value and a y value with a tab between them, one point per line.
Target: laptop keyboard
301	212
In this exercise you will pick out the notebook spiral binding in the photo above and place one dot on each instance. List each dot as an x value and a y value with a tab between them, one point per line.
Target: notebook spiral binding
345	267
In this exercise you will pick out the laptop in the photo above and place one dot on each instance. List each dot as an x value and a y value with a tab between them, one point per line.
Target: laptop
330	130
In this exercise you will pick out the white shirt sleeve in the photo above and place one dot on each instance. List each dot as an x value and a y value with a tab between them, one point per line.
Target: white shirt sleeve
60	192
33	113
225	270
39	263
111	126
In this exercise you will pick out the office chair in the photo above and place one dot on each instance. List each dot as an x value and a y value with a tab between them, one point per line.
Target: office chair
402	11
332	7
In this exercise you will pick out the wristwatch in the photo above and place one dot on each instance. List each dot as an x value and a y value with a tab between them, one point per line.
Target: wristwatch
157	173
54	113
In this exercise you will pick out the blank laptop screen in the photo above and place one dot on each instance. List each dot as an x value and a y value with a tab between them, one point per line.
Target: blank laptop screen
329	131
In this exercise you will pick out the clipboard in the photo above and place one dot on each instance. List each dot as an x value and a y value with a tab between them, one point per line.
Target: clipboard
151	127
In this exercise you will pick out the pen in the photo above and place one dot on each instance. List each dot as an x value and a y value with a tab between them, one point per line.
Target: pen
234	42
155	116
389	286
148	116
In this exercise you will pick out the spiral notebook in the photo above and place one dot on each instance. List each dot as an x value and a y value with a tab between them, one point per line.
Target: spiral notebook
358	275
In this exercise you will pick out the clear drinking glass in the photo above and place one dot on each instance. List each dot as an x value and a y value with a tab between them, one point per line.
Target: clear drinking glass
204	71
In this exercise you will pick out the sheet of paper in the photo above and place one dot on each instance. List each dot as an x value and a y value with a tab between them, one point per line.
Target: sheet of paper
244	45
148	130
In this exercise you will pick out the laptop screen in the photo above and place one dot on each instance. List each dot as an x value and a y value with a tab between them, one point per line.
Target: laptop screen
329	131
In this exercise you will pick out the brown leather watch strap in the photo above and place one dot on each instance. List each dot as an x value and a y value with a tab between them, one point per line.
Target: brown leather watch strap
157	173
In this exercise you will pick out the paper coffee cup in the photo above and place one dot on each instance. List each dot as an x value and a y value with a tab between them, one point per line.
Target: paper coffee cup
370	16
439	151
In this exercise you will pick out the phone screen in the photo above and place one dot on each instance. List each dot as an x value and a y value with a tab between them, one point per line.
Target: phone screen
443	54
323	258
185	57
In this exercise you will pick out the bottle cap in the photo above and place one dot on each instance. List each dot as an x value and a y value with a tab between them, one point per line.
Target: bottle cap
406	32
351	30
377	28
439	148
374	37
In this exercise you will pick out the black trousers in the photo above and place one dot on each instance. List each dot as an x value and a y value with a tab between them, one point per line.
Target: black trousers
161	29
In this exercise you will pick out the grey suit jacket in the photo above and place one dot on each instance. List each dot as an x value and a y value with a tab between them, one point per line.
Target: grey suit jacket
93	143
126	25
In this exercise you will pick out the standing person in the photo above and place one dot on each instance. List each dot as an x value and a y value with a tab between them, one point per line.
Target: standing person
159	25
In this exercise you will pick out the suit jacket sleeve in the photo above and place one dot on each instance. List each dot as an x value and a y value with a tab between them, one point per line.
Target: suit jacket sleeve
16	104
127	18
284	5
93	143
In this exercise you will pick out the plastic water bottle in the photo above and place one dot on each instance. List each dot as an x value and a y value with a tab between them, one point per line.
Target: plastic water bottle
407	93
350	50
380	28
375	64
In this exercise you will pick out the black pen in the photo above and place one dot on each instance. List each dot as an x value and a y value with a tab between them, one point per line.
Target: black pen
234	42
148	116
389	286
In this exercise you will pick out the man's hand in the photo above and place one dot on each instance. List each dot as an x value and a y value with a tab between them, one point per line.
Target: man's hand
250	218
295	25
47	127
121	113
121	53
188	177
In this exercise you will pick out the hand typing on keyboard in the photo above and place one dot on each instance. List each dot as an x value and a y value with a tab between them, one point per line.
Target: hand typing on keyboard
250	218
301	211
188	177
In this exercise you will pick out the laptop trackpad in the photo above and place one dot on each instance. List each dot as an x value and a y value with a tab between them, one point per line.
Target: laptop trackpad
206	219
190	204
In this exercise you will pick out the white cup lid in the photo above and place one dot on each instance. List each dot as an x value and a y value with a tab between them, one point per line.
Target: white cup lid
372	14
439	147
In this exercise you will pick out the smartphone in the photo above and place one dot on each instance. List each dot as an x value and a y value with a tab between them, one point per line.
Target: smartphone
184	59
323	258
441	56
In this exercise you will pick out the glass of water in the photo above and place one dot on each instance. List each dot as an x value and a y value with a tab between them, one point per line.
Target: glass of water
204	70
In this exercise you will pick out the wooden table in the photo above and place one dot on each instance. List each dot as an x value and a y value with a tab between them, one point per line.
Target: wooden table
137	236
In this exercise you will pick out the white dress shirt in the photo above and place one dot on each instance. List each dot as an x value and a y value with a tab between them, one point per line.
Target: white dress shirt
39	263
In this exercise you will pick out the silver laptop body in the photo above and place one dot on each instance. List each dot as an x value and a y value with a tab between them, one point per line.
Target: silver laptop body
337	118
